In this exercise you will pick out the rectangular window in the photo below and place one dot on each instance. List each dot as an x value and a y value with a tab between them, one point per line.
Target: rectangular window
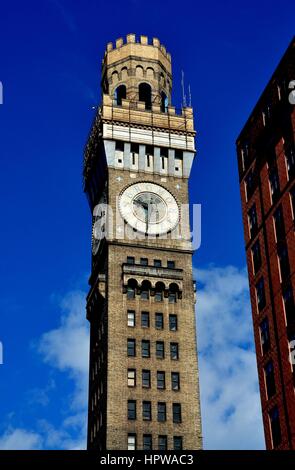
290	160
173	322
172	297
157	263
253	223
145	319
160	350
162	442
279	223
145	348
270	379
283	261
131	410
274	183
288	302
175	381
131	442
176	411
144	295
160	380
177	442
147	442
174	352
161	412
131	347
260	294
131	318
131	377
159	321
264	335
130	260
146	410
158	296
256	256
171	264
144	261
146	378
275	427
249	184
130	293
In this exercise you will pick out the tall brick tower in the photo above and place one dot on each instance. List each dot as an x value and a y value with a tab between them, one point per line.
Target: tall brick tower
266	158
143	386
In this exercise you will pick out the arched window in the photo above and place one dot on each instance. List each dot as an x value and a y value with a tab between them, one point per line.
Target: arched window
145	290
120	94
131	288
173	291
159	291
164	102
145	94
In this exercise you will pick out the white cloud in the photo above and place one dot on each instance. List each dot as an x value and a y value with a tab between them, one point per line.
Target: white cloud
20	439
230	400
66	349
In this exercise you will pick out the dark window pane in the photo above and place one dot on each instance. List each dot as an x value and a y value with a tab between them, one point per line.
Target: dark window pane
130	260
157	263
275	426
161	380
162	442
144	261
253	223
161	412
274	183
260	294
145	319
131	347
160	349
264	334
159	321
175	380
158	296
147	442
177	442
146	378
270	379
284	261
256	256
174	353
279	223
171	264
173	322
145	348
131	409
146	410
289	303
176	409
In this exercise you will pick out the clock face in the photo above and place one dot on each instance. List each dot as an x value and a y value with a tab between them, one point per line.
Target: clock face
149	208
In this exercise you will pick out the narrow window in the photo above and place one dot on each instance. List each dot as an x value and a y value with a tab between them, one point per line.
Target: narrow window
144	261
146	411
264	335
157	263
146	378
256	256
270	380
131	377
160	380
130	260
171	264
131	442
145	319
174	352
160	350
131	410
162	442
131	347
131	318
279	223
176	411
175	382
147	442
145	348
173	322
275	427
159	321
253	224
260	294
161	412
284	261
177	443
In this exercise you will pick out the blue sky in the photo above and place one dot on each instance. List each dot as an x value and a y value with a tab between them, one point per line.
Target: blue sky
50	55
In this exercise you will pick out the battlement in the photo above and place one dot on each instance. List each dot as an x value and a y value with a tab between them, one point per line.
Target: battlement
137	46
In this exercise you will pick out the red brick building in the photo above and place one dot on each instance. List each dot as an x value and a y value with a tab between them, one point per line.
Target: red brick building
266	160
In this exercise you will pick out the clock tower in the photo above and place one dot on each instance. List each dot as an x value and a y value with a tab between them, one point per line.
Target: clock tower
143	372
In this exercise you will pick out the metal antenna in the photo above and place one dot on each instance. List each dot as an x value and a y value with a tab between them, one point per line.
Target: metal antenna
189	96
183	94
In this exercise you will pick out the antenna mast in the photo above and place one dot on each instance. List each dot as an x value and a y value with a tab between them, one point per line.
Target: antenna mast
183	94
